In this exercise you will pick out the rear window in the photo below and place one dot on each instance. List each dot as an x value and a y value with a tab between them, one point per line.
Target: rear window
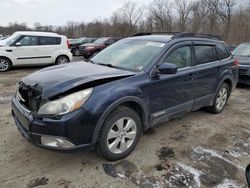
222	52
50	40
205	54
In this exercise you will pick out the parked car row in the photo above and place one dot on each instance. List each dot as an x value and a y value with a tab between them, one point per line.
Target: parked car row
88	46
33	48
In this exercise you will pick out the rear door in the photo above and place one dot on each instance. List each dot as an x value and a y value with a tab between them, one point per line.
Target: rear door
48	47
171	94
208	68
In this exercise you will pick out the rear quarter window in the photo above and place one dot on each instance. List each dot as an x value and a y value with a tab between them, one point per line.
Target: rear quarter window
50	40
222	52
205	54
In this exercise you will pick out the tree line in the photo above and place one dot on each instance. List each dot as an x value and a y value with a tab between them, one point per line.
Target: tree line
227	18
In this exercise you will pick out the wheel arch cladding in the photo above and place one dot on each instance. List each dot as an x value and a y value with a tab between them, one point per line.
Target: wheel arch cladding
131	102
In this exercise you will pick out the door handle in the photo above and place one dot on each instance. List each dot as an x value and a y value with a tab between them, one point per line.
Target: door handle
219	68
190	77
8	50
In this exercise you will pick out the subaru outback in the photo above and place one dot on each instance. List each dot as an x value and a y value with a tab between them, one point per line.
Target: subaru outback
136	83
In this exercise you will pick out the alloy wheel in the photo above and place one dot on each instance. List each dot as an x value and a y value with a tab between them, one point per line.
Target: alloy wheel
121	135
62	60
221	98
4	64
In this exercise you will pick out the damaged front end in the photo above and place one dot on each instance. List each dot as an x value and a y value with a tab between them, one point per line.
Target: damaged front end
52	114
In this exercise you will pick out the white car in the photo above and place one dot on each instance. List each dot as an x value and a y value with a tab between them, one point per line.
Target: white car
33	48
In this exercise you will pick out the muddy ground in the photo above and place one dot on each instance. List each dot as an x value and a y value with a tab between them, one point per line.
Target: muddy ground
198	150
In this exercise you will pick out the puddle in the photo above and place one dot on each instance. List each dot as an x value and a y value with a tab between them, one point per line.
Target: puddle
165	153
121	169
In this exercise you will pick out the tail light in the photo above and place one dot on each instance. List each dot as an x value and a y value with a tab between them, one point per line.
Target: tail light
236	62
68	45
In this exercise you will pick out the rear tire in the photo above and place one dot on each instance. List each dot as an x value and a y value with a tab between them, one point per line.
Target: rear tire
5	64
62	60
119	134
76	52
220	100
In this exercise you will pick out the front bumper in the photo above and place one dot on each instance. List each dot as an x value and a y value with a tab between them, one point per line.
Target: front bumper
244	74
86	53
69	128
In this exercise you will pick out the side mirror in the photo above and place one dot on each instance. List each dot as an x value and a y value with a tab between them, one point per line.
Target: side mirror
248	175
18	44
167	68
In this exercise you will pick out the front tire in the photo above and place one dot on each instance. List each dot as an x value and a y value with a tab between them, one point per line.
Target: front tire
221	99
5	64
119	134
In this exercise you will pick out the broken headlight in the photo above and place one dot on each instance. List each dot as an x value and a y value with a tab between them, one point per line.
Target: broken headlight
66	104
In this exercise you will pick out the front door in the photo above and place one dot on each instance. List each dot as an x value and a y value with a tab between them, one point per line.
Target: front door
28	52
171	94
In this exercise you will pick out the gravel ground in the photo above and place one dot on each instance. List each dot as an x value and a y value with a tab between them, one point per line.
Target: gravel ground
198	150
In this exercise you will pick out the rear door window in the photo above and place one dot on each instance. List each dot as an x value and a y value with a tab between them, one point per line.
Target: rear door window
50	40
222	52
205	54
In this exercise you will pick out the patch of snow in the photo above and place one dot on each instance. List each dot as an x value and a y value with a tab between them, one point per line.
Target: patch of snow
196	173
213	153
234	154
5	99
246	130
228	183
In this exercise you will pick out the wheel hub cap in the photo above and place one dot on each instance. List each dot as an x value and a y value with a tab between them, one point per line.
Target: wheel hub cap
221	99
121	135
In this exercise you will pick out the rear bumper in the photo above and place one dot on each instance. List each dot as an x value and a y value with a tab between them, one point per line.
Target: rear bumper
33	129
244	74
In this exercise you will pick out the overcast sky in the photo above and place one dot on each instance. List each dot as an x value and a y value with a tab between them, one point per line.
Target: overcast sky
57	12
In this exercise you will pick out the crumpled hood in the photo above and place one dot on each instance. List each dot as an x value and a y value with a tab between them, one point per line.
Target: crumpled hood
243	60
61	78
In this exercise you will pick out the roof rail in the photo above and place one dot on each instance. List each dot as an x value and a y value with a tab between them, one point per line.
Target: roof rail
153	33
177	35
198	35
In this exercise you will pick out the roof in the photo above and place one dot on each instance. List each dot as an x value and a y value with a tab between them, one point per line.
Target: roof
156	38
36	33
168	36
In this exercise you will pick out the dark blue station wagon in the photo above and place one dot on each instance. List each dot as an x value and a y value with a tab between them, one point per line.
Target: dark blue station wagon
136	83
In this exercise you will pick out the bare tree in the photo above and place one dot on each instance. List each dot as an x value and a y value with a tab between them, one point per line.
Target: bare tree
183	8
129	14
161	15
224	9
199	12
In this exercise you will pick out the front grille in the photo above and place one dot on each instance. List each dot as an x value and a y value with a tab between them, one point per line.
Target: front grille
29	97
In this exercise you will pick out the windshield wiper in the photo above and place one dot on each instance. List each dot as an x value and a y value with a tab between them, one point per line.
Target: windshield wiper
91	61
107	65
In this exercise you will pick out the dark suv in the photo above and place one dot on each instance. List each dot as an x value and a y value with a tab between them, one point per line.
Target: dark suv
88	50
124	90
242	54
74	47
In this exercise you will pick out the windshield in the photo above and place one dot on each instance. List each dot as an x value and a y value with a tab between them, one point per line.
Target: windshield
129	54
242	50
8	41
101	41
